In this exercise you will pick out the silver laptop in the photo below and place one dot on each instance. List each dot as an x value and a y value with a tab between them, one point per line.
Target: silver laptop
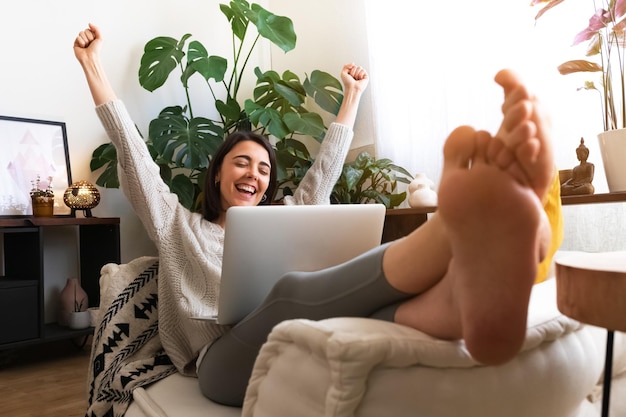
264	242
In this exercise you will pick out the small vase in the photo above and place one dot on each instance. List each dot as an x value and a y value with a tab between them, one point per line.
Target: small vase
613	149
43	206
73	298
79	320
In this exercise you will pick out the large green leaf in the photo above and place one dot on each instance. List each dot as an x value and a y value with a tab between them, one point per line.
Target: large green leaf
105	156
230	111
187	143
297	149
236	15
208	66
310	124
292	97
278	29
267	117
325	89
182	186
292	155
286	94
161	55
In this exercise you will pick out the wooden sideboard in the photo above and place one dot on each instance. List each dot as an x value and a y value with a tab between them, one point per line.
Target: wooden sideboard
400	222
22	300
618	197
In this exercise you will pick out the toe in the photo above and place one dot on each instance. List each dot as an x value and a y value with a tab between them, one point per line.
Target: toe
460	147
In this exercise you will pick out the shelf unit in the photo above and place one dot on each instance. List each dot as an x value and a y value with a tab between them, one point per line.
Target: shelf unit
22	286
399	222
617	197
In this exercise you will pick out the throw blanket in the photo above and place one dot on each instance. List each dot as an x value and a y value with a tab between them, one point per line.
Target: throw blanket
126	351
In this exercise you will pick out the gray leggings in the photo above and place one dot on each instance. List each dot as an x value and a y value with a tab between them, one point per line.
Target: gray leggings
356	288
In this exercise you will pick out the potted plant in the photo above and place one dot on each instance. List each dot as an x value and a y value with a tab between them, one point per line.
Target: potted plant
42	198
370	180
182	142
606	39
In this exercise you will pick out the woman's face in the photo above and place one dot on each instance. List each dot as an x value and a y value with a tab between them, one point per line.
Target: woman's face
244	175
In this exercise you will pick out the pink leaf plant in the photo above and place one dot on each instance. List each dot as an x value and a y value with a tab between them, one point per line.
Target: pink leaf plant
607	42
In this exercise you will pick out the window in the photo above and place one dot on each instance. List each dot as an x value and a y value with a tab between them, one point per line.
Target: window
433	64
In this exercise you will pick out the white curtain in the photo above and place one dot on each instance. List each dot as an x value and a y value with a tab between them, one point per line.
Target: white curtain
432	67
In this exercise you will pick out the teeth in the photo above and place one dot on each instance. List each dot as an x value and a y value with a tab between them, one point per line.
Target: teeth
246	188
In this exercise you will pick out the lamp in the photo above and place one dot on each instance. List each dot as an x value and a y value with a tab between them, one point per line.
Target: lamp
81	195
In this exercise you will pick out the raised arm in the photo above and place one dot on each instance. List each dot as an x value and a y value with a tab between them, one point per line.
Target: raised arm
317	184
87	50
150	197
355	80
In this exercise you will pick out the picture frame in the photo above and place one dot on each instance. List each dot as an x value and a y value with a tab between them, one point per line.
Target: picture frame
32	149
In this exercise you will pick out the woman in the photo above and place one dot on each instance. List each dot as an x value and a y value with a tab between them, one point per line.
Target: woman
467	273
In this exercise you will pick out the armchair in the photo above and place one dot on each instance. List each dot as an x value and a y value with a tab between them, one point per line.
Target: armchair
364	367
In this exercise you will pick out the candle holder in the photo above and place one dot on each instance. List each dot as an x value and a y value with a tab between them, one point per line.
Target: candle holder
81	195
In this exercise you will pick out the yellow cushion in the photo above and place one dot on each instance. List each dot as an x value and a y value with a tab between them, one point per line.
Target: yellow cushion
552	207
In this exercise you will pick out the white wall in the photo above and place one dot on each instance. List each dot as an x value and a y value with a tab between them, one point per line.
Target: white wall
41	79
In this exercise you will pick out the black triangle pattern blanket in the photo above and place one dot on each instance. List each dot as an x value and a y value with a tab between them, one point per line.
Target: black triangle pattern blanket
126	350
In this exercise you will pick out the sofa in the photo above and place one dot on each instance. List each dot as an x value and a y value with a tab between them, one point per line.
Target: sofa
344	367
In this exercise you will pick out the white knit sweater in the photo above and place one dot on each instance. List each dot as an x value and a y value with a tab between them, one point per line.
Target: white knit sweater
190	248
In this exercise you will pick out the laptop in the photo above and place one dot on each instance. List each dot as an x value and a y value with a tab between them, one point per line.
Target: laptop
262	243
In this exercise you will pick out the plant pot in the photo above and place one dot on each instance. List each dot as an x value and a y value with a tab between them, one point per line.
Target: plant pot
613	150
71	298
79	320
43	206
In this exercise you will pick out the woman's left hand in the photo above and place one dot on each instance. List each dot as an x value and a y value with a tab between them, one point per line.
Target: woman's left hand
354	77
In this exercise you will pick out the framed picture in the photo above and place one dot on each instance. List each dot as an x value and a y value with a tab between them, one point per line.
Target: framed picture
32	149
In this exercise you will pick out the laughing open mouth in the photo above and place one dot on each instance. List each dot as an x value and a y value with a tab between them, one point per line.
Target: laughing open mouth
246	188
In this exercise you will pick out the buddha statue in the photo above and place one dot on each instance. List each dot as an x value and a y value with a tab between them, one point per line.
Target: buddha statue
579	183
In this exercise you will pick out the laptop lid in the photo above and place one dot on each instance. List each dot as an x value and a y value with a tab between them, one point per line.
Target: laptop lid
262	243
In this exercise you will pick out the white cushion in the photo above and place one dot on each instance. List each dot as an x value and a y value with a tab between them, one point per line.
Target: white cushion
176	396
369	368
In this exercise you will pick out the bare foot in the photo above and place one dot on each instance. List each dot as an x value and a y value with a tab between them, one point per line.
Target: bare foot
494	219
525	130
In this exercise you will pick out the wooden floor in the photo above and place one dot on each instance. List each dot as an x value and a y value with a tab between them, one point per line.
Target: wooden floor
45	380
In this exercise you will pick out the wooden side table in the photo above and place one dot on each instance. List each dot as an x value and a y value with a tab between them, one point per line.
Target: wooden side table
591	288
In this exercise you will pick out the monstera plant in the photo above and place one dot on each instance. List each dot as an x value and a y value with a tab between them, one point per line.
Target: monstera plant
181	142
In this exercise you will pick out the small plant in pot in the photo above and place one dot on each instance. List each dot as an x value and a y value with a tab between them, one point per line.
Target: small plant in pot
370	180
42	197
